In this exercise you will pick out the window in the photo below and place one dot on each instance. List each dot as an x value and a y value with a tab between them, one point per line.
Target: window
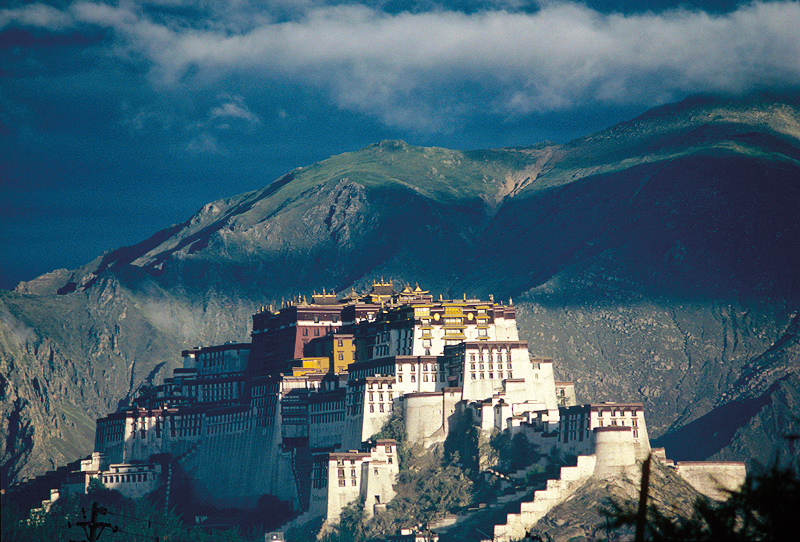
339	342
353	472
305	331
353	482
341	355
473	376
381	407
425	377
413	378
316	318
372	408
342	482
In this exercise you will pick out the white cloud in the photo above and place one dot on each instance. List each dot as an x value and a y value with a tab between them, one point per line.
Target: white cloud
234	108
36	15
415	70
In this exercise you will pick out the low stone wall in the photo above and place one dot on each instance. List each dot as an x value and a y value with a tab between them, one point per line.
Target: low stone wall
714	479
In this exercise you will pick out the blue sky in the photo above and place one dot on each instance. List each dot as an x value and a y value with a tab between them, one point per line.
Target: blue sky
119	118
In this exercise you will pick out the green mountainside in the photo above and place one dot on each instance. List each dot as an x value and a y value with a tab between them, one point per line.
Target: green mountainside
655	261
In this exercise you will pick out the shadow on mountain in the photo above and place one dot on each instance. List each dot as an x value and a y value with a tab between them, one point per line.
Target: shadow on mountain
699	227
718	428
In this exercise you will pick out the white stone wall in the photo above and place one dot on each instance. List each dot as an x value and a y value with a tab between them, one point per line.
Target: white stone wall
714	479
133	481
484	367
380	475
344	482
614	451
625	415
419	374
428	415
577	424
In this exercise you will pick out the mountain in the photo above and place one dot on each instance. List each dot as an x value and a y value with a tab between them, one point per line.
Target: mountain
656	261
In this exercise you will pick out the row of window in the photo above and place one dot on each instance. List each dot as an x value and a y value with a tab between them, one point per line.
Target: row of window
124	478
483	376
332	405
617	412
328	417
490	357
424	378
491	366
412	367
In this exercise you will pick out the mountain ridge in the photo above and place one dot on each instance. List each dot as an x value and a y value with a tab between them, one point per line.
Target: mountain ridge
658	277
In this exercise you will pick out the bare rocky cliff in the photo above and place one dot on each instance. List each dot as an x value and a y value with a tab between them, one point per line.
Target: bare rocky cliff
655	261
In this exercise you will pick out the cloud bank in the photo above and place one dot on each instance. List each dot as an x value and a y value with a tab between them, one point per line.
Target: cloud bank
422	70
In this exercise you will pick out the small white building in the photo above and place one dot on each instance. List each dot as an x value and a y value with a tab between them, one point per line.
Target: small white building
575	431
132	480
341	478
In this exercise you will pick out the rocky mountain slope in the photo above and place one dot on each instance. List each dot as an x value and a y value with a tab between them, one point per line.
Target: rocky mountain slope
656	261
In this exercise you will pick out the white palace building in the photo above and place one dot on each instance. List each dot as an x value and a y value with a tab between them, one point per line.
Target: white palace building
293	413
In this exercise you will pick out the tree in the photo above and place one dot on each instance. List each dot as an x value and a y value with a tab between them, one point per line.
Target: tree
395	428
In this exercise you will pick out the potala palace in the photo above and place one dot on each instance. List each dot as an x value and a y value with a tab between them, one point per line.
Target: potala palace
293	413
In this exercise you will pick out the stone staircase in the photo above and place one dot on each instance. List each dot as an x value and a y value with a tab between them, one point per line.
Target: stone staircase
544	500
302	464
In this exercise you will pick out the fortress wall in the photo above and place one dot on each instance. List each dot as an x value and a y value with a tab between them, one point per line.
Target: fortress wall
424	415
327	434
615	451
353	427
713	479
543	385
242	466
112	450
